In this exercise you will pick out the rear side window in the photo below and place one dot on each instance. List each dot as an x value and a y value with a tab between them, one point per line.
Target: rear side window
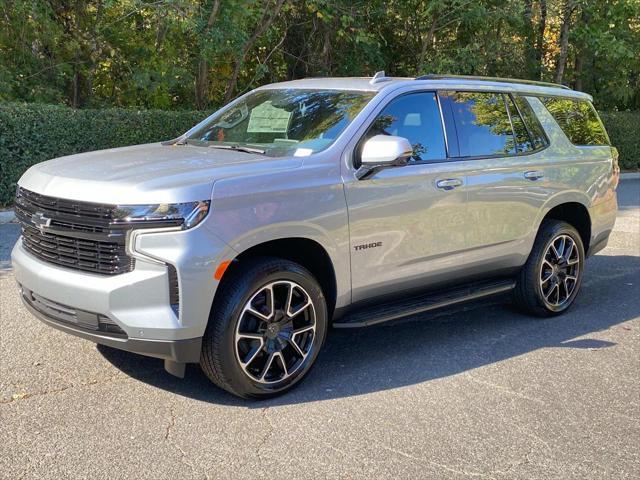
536	132
415	117
482	123
578	120
524	143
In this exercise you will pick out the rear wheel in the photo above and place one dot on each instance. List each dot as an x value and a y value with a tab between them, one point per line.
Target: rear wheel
550	280
266	328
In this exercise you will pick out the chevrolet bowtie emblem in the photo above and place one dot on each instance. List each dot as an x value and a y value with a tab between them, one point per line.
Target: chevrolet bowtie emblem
40	221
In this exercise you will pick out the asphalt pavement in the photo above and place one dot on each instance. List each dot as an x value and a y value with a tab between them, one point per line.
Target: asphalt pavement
482	392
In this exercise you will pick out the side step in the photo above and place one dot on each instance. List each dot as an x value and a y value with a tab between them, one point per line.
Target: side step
385	312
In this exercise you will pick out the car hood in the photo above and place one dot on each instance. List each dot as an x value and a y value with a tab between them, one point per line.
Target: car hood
152	173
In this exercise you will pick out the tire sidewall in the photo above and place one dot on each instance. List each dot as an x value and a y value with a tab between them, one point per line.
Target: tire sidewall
253	281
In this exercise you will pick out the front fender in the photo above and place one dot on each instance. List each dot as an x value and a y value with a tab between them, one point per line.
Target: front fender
304	203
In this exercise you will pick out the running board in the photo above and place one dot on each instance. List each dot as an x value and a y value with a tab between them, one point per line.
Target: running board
385	312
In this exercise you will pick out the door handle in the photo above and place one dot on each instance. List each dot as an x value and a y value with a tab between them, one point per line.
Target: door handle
448	183
533	175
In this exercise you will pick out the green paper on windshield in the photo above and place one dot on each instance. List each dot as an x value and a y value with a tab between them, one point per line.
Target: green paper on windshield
266	118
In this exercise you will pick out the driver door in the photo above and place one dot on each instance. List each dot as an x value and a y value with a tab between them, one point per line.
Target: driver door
407	226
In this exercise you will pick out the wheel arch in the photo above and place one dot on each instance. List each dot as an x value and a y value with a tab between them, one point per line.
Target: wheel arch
573	209
308	252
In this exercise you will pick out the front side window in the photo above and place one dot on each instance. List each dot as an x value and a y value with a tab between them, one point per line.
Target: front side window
482	123
578	120
282	122
416	117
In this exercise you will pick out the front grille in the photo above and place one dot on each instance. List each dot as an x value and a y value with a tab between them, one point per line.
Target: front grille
78	235
70	207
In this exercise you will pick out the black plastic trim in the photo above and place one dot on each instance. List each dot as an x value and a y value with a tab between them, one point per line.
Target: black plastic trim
181	351
385	312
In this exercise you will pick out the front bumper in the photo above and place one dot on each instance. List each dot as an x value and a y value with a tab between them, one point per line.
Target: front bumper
86	325
134	307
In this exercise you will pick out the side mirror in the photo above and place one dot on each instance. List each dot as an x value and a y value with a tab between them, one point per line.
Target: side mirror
383	151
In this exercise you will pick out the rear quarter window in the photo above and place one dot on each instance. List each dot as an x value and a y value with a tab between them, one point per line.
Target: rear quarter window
578	120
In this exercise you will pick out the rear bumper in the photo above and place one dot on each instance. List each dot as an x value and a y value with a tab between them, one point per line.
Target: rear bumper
600	243
179	351
603	218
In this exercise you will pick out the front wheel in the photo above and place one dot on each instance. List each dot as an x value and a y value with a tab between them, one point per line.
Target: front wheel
266	328
550	280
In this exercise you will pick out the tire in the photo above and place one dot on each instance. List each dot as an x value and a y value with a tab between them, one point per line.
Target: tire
254	301
535	292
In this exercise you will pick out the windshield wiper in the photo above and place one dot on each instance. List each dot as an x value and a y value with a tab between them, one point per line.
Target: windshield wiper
239	148
176	141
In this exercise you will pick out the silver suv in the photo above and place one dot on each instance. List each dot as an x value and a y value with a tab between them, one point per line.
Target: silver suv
300	205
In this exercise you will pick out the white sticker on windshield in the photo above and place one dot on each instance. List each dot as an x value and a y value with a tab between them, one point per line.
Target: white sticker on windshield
266	118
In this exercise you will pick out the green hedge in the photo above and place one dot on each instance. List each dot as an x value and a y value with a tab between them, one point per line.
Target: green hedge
32	133
624	130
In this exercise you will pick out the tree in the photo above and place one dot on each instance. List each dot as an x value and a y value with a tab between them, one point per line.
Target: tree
202	76
201	53
561	62
268	16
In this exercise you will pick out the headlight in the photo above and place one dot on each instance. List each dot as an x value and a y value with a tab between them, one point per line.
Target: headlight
187	215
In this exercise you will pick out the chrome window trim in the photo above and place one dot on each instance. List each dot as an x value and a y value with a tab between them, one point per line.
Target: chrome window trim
444	127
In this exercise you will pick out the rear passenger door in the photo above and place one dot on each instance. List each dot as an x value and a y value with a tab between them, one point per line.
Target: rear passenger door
503	144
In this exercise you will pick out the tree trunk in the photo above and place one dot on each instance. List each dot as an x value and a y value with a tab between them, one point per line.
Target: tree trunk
326	49
492	60
427	41
202	84
539	43
530	40
264	24
561	62
577	72
75	94
585	17
202	74
161	34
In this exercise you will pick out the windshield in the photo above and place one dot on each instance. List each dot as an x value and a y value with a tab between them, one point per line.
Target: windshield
283	122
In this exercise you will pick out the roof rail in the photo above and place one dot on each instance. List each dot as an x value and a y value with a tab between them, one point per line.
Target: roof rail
433	76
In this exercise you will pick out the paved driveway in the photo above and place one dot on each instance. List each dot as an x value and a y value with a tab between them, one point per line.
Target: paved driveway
483	392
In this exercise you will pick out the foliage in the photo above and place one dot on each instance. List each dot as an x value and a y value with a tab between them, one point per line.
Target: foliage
193	54
197	53
32	133
622	128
